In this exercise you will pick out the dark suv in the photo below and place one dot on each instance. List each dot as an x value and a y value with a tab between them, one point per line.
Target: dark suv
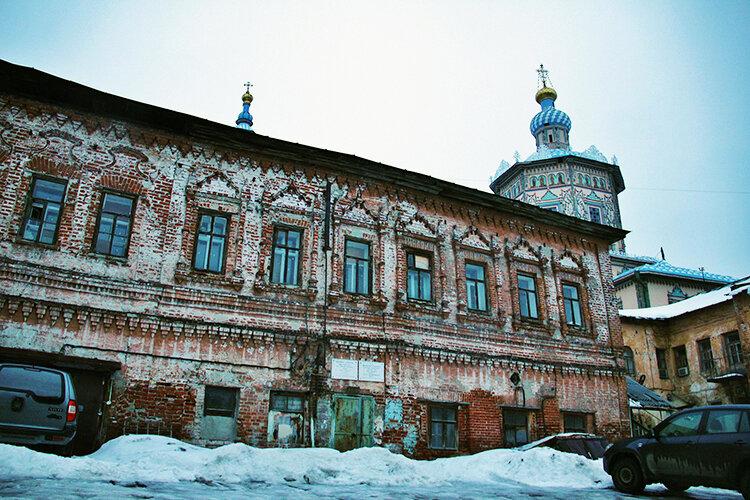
696	447
37	406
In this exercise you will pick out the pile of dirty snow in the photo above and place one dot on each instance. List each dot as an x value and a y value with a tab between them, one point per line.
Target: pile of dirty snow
156	458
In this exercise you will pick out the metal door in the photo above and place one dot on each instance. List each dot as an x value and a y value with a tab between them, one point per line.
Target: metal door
352	422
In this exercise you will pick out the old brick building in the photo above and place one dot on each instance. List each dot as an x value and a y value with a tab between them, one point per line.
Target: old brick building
218	285
693	352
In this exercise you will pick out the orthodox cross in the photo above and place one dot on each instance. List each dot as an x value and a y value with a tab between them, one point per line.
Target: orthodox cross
247	87
542	75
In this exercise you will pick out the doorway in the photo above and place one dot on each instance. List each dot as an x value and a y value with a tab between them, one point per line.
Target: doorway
352	421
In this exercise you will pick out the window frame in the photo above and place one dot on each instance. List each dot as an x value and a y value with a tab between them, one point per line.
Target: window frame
533	278
276	395
430	258
368	292
706	364
595	210
213	214
515	427
680	354
274	246
661	363
29	205
628	357
485	286
215	412
733	350
133	199
572	414
578	302
443	423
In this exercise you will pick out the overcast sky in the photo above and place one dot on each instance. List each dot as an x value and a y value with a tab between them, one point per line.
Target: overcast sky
447	88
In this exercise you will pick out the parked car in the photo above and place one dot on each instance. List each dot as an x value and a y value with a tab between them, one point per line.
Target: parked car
37	406
696	447
589	445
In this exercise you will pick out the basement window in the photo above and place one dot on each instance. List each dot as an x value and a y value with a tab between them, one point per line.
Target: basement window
515	428
574	422
220	401
443	427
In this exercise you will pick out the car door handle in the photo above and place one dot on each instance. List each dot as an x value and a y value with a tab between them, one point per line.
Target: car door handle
740	441
689	442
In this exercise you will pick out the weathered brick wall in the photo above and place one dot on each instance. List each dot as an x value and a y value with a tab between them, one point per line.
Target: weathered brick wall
712	323
175	329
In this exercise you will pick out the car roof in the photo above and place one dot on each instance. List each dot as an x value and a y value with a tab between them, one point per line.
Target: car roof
718	407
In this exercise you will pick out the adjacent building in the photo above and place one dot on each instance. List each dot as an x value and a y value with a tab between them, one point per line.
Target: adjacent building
217	285
693	352
654	282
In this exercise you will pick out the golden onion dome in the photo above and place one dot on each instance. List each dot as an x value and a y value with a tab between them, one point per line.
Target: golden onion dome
545	93
247	98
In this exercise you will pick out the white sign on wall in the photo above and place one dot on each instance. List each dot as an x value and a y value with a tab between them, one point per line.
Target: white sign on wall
351	369
346	369
372	371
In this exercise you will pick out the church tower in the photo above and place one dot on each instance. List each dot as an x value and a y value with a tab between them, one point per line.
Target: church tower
581	184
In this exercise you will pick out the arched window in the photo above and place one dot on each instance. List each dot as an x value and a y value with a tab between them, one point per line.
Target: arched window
587	181
542	182
596	182
552	179
629	360
533	182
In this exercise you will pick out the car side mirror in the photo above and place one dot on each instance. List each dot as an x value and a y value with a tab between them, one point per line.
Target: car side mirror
653	434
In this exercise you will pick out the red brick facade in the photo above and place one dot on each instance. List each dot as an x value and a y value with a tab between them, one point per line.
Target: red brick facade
168	331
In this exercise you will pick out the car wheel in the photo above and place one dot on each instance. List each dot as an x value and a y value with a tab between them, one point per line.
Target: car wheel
627	476
745	485
675	487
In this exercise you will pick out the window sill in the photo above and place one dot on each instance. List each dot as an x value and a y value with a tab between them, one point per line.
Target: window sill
36	244
423	307
109	259
309	293
184	274
376	300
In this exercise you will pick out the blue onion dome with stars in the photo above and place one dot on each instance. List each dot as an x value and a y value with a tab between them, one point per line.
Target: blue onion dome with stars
245	119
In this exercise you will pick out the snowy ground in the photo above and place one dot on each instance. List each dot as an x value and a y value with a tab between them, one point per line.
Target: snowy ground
141	466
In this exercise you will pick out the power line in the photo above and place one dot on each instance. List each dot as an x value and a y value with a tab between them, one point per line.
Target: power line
687	190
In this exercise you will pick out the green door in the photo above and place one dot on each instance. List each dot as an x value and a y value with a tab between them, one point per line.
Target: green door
352	422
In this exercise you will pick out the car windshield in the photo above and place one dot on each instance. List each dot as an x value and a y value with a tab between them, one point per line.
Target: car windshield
41	383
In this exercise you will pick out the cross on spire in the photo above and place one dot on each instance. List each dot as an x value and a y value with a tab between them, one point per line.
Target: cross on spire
247	87
543	75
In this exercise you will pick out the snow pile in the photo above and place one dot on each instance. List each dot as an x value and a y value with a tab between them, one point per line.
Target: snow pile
156	458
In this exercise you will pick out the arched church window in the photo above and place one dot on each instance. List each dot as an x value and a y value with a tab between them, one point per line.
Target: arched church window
587	180
551	179
542	182
629	360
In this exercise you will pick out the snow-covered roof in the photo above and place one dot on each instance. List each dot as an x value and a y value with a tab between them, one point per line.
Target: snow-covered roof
624	255
695	303
665	268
